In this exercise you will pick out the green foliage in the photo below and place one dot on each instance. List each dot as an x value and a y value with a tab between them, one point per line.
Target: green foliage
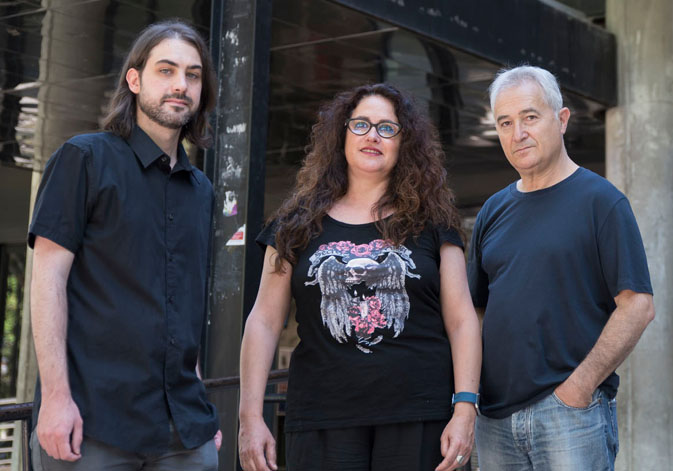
11	333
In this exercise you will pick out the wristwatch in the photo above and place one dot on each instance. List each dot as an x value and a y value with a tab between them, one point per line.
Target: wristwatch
464	396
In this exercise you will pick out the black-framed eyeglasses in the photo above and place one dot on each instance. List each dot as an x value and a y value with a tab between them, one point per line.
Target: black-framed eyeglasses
361	126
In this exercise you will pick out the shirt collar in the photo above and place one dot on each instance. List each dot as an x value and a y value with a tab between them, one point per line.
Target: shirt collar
147	151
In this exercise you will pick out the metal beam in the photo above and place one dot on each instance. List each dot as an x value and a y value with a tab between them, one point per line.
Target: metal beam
583	56
240	44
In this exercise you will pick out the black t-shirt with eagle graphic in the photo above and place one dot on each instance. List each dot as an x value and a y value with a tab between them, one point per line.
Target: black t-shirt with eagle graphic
373	348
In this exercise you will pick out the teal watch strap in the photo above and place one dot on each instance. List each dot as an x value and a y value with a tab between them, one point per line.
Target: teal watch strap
464	396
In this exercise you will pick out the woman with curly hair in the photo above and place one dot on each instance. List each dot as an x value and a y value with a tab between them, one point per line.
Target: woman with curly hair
369	247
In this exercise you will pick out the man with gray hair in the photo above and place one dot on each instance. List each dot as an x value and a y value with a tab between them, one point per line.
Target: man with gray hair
558	268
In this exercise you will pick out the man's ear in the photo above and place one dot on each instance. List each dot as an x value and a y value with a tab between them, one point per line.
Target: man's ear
564	116
133	80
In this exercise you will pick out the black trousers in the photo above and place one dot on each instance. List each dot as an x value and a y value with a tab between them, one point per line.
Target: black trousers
411	446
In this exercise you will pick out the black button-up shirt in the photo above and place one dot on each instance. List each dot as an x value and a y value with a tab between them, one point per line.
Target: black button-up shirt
137	288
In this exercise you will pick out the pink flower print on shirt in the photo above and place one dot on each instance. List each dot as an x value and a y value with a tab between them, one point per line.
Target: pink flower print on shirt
361	250
367	316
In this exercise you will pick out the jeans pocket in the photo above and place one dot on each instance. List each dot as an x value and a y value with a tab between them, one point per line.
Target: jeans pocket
613	426
595	400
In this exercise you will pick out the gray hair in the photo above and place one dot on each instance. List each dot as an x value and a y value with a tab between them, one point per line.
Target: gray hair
507	78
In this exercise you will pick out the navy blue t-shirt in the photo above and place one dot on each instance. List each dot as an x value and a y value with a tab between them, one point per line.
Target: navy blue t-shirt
373	346
547	266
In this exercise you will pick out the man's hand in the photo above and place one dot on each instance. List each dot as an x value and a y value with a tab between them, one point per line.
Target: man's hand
218	440
458	437
256	446
572	395
621	333
59	427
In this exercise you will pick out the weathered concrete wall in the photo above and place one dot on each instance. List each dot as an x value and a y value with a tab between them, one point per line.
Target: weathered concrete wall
639	153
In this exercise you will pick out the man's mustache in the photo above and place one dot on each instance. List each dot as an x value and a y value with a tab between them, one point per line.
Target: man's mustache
182	97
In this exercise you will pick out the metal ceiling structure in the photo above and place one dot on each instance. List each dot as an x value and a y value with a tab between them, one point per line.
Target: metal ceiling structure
321	47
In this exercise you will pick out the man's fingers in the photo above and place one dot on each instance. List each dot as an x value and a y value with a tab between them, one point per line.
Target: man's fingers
270	452
76	438
63	450
218	440
259	463
54	443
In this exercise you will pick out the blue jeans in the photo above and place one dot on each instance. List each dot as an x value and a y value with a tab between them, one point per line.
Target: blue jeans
550	435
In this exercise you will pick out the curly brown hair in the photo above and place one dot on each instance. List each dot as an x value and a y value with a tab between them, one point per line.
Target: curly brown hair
417	192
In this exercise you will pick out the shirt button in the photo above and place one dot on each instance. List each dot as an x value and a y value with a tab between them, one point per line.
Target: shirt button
170	216
170	299
172	341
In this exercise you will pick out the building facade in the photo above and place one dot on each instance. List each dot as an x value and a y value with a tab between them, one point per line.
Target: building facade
278	60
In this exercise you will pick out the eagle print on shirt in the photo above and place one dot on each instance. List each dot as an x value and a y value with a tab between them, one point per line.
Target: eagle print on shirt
363	289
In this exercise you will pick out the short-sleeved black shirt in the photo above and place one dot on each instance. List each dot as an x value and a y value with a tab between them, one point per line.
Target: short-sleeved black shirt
373	347
137	288
547	266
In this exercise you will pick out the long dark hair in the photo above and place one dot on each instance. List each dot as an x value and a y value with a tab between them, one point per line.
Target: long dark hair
121	116
417	192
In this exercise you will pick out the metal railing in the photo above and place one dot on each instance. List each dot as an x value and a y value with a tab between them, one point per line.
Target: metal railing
24	412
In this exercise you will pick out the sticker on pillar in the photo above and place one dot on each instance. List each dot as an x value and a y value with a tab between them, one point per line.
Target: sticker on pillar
230	206
232	170
238	238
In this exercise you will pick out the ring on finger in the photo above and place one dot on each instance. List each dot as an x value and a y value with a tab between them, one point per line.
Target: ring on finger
459	459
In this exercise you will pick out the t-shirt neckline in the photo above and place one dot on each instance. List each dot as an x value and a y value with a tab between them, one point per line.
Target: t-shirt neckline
347	224
531	194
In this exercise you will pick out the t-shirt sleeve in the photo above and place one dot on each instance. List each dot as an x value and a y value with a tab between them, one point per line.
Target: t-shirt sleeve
449	235
60	212
622	252
267	237
476	276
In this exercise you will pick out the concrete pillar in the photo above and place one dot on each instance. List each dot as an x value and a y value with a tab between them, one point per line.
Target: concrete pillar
639	160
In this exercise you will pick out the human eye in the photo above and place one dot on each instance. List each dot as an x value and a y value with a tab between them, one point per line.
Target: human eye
504	124
193	76
531	117
359	126
165	70
386	129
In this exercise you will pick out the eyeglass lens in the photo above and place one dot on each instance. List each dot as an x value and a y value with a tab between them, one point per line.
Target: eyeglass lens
384	129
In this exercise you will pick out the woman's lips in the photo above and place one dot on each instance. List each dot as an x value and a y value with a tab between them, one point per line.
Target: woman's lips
371	151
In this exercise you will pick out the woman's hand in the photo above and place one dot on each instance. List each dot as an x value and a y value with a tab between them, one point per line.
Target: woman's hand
458	437
256	446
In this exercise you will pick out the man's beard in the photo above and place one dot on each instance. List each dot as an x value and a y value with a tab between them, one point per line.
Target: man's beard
165	118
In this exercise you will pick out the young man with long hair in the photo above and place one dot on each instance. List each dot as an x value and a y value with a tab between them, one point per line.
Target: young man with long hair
120	233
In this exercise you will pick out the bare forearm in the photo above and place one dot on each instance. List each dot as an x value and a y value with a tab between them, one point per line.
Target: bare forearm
49	316
466	352
619	337
257	351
